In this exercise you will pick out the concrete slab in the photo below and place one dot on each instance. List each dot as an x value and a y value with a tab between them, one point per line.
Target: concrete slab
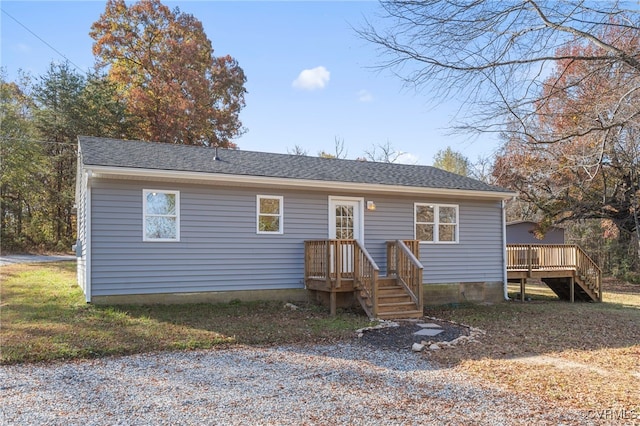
428	332
428	325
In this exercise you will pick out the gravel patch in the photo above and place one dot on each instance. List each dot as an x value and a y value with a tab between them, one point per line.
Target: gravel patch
13	259
401	335
347	383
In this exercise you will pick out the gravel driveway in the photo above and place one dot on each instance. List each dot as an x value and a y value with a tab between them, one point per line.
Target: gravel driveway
343	384
11	259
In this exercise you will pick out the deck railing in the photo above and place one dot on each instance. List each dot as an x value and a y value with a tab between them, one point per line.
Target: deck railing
555	257
589	272
366	273
337	260
402	261
331	260
541	256
413	245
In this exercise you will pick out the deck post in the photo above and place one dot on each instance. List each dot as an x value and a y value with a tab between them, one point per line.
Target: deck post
572	289
327	264
332	303
529	258
522	288
339	265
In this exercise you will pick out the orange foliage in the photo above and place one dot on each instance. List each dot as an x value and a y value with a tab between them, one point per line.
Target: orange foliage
164	67
590	108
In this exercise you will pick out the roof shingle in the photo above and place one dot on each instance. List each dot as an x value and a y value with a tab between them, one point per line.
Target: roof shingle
162	156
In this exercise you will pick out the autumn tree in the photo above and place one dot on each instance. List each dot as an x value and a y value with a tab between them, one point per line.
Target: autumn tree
592	175
571	132
165	69
452	161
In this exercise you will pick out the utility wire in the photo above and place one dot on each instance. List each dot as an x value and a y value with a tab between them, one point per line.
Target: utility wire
44	41
7	139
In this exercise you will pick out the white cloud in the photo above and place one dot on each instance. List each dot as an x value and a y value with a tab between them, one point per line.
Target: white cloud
406	158
365	96
315	78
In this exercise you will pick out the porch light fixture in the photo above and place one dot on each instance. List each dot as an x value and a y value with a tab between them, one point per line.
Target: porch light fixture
371	205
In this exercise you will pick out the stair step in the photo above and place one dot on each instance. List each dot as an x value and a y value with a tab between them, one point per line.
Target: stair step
409	302
401	314
394	298
391	290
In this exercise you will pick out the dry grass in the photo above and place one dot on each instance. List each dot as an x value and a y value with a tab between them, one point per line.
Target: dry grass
583	355
44	317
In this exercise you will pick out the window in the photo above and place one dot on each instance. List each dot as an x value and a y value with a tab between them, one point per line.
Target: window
269	214
436	223
161	215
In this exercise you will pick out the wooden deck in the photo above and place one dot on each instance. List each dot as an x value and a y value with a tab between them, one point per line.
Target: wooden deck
565	268
345	266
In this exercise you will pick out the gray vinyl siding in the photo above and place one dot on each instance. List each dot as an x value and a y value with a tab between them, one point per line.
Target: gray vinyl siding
522	233
81	223
477	257
219	249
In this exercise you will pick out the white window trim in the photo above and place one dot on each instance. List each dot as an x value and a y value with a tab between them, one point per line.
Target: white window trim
280	199
436	223
144	215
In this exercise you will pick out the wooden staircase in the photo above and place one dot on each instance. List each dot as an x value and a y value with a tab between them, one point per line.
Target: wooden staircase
345	266
393	301
584	289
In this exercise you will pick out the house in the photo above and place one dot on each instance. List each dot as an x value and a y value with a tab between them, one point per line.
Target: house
164	223
523	232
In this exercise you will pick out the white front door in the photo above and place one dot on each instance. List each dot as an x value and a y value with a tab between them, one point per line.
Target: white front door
345	223
345	218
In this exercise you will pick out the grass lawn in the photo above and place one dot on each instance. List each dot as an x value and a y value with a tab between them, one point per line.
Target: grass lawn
585	355
44	317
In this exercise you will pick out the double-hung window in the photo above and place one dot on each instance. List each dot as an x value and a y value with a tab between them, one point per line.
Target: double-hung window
436	223
269	214
161	215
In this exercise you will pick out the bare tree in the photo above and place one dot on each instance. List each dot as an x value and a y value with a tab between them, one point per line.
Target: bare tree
339	150
297	150
496	56
383	153
558	80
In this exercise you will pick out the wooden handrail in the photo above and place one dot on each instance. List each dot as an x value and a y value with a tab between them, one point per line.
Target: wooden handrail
590	270
413	245
365	275
408	271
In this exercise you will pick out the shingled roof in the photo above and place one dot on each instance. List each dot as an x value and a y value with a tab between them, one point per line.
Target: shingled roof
162	156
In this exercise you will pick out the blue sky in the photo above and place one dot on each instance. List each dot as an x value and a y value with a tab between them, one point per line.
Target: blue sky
309	75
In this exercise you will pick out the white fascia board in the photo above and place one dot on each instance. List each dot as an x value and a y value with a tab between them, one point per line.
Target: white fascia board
245	180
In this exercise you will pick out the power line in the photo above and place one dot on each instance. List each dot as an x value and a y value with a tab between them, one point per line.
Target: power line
44	41
7	139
